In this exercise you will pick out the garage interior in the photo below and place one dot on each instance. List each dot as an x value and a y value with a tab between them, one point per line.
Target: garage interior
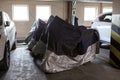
22	64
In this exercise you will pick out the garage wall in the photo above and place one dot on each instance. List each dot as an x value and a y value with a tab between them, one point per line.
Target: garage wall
57	8
80	11
116	6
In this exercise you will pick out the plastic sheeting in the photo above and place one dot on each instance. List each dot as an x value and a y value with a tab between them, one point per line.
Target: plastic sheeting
36	30
53	63
39	29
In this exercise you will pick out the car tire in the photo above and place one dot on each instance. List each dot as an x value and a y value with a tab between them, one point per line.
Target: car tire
100	43
14	46
6	60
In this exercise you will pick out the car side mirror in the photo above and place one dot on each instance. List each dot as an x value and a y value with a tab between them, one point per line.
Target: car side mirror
92	22
7	23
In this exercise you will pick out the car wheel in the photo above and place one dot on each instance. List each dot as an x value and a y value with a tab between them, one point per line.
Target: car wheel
100	43
14	46
6	60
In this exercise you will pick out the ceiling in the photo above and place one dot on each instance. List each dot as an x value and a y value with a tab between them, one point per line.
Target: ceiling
95	0
109	1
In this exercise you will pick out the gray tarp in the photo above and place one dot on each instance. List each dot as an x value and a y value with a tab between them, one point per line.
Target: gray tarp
38	30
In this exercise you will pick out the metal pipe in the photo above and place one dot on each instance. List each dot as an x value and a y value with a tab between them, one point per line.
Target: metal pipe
73	12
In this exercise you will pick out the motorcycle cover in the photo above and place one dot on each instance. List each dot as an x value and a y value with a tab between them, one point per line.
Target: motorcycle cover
40	46
39	26
31	32
65	46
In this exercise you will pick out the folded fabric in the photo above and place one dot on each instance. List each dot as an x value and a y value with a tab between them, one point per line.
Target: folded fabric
64	46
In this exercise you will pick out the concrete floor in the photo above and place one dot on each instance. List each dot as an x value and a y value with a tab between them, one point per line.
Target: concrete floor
23	68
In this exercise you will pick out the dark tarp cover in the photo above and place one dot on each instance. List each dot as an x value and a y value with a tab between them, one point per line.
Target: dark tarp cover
65	39
64	46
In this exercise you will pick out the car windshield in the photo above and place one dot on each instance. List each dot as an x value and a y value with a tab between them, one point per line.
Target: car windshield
0	18
106	18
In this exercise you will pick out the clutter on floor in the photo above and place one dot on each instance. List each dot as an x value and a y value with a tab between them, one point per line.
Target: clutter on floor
23	67
62	46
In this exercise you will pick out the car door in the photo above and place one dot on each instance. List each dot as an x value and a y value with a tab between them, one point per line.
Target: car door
104	29
2	37
9	28
103	26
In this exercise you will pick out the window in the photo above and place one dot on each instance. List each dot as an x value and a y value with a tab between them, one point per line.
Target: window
106	17
20	13
90	13
43	12
107	9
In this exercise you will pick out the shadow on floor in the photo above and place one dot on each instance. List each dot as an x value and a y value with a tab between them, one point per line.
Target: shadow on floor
23	68
88	71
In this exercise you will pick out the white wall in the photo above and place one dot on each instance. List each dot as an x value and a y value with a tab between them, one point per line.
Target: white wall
57	8
23	27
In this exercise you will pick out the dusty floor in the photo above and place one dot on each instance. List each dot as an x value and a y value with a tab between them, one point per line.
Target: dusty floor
23	68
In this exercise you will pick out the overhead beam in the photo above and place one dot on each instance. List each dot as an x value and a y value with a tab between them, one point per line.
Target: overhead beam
95	0
103	1
73	12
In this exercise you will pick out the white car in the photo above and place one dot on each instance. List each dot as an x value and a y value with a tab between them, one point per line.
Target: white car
103	25
7	39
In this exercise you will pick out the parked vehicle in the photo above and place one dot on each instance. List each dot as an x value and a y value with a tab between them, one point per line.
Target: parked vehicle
103	25
7	39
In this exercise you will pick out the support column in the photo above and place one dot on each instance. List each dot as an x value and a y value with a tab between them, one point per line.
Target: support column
115	35
73	12
69	10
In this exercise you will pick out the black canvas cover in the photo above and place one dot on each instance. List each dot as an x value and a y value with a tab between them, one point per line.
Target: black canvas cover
88	37
64	46
66	39
40	46
38	30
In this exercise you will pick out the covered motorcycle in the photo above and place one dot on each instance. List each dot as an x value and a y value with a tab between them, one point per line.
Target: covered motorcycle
64	46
